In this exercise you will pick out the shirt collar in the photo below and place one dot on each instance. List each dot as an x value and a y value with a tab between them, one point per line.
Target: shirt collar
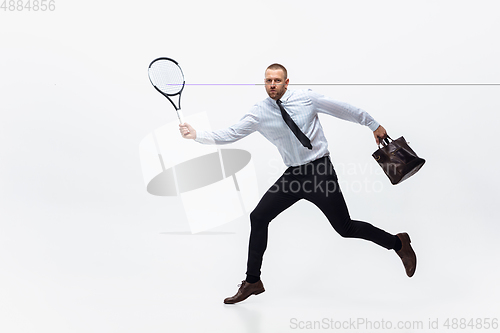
283	98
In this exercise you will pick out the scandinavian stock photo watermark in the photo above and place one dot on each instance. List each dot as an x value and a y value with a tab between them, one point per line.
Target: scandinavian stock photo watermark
366	180
364	324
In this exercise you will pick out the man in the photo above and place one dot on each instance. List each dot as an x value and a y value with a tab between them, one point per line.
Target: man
289	119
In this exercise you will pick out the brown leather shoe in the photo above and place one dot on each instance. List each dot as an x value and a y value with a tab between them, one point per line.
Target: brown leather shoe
246	289
407	254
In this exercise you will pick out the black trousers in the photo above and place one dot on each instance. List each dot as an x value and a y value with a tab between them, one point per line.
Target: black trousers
316	182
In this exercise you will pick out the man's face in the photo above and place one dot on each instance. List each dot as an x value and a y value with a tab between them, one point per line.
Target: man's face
275	83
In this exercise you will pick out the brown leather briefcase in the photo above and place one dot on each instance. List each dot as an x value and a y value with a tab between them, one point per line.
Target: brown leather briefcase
397	159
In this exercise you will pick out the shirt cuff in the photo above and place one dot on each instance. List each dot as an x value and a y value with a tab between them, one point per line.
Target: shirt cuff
199	136
204	137
374	125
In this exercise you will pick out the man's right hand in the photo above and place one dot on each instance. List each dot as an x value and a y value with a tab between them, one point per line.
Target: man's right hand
380	134
187	131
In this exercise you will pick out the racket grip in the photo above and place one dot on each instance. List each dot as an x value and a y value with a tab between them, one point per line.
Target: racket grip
180	116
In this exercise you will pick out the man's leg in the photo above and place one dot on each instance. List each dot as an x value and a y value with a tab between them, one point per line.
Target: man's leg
278	198
330	200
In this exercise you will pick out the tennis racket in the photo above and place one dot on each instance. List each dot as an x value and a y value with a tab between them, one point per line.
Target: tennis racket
166	76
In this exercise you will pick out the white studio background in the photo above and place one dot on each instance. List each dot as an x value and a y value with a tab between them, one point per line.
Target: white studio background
84	247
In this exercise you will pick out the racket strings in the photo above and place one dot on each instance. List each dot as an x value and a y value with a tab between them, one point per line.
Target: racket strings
166	76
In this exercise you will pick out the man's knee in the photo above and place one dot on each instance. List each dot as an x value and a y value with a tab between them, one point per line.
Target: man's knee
343	232
259	219
345	229
256	218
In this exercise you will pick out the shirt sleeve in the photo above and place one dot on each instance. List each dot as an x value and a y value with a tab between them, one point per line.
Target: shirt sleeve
245	126
342	110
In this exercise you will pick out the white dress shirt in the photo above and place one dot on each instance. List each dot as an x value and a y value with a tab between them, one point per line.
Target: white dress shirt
303	106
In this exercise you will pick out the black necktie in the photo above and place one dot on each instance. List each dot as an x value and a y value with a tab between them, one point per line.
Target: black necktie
293	126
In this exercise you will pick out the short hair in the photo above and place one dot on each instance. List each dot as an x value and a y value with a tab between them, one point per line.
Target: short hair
278	66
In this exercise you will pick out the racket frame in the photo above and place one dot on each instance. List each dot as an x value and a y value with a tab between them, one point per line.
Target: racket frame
177	108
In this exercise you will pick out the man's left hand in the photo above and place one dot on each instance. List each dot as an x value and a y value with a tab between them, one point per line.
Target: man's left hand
380	134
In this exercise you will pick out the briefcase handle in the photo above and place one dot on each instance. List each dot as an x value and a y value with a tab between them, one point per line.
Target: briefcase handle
385	142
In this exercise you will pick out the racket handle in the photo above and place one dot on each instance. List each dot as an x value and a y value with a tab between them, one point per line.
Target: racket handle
180	116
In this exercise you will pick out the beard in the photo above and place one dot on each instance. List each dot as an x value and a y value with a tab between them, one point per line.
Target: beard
276	93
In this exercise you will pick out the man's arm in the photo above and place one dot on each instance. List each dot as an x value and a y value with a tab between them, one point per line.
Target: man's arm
246	125
347	112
